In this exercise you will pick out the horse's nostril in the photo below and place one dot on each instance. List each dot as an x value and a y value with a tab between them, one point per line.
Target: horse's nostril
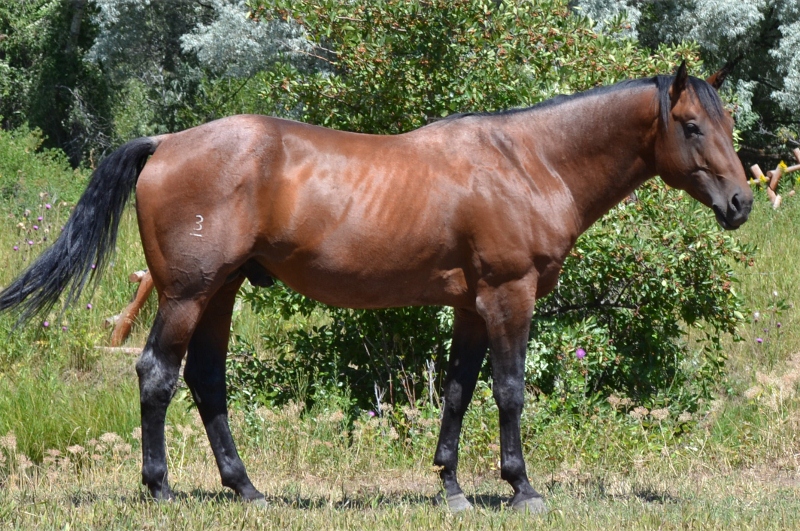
737	206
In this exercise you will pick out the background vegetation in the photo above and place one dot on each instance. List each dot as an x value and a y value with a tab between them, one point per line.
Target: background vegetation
661	375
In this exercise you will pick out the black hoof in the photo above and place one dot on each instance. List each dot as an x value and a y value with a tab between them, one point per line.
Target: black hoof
250	494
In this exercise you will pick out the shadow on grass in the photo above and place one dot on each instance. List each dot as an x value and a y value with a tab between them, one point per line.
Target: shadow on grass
357	502
597	488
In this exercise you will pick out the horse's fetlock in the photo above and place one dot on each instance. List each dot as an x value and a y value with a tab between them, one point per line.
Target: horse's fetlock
513	471
154	476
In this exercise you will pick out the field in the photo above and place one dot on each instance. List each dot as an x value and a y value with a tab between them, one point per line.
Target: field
70	454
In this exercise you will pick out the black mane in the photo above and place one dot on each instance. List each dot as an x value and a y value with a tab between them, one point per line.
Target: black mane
705	93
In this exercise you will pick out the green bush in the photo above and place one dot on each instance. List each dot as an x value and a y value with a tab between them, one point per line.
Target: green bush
29	173
389	67
629	290
633	286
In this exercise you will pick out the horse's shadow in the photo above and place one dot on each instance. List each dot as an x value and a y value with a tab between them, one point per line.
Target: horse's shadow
598	488
361	502
367	500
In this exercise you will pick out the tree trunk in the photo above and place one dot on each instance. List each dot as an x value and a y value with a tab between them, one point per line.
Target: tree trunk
79	6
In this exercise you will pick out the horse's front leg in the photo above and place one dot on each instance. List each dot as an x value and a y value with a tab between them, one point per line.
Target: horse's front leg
507	310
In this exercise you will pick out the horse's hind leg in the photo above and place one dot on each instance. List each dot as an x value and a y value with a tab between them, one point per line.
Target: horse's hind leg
467	353
205	376
158	369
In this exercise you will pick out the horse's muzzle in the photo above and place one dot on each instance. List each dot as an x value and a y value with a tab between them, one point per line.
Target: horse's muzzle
735	212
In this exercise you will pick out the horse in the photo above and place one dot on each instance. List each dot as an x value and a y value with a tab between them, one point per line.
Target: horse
476	211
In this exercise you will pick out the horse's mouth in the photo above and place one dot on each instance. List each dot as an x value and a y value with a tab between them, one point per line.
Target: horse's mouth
722	220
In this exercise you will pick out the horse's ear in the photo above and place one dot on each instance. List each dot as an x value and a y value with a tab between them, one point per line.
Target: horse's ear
718	78
679	83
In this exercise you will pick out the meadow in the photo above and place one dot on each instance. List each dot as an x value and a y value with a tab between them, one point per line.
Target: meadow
69	416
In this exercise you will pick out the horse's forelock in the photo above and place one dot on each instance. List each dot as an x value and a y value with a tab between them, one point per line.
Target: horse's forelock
706	95
708	98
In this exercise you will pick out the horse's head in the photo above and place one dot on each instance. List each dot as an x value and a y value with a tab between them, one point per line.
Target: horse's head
694	148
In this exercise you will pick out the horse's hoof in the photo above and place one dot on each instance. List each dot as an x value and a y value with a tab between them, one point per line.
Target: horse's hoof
533	505
161	494
455	503
163	497
258	502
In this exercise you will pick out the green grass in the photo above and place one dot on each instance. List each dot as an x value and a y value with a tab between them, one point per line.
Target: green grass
73	411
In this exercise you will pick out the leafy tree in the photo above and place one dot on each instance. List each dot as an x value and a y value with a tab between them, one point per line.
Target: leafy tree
392	66
44	80
232	45
389	67
181	63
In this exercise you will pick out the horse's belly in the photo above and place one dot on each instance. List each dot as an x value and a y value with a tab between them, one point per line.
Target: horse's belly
375	287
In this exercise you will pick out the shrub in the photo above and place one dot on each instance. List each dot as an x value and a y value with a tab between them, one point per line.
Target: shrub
630	288
655	268
652	270
27	170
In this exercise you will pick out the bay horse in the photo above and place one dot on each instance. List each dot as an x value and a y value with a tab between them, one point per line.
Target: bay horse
476	211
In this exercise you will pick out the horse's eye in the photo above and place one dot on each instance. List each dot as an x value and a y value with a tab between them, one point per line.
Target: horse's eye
691	129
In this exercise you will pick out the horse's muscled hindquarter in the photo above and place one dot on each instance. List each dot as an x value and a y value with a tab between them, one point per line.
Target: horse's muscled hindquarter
476	212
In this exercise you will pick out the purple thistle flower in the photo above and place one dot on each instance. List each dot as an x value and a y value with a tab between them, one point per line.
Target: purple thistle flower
759	340
580	353
36	227
30	242
63	328
48	206
93	266
16	248
46	324
89	306
371	413
778	325
39	218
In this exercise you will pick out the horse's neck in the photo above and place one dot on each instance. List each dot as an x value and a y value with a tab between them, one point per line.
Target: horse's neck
601	147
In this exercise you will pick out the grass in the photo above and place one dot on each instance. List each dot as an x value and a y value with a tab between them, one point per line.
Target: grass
342	488
70	456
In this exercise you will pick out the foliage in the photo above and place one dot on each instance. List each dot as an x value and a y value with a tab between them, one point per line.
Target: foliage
43	79
395	66
472	56
635	283
380	356
27	170
182	63
93	74
233	46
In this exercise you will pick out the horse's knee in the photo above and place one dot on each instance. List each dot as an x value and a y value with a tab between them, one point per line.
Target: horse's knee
509	396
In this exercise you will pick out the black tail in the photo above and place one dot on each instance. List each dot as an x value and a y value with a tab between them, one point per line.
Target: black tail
88	237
